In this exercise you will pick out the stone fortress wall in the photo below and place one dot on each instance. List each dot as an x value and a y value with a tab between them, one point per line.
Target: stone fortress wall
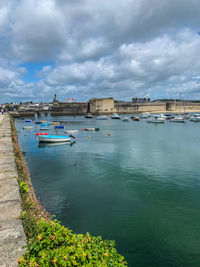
105	106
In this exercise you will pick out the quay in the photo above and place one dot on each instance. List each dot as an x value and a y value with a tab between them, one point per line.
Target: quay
12	237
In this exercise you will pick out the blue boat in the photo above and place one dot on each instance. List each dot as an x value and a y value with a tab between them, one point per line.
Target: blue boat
28	120
45	124
59	127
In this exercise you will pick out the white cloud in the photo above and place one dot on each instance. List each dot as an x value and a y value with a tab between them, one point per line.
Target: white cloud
100	48
38	32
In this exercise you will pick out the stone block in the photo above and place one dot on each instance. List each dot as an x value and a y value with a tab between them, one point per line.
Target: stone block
10	210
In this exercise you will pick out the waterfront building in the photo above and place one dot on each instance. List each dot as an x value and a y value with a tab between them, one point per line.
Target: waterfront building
101	105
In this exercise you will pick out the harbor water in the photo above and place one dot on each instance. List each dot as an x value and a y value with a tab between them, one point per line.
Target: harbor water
134	182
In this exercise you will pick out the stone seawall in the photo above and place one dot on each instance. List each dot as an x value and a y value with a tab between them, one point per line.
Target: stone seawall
12	237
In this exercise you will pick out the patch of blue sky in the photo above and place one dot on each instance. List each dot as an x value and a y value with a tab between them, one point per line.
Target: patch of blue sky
32	70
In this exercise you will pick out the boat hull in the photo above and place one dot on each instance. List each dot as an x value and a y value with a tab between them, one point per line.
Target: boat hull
101	118
155	121
195	119
178	121
27	127
53	139
72	131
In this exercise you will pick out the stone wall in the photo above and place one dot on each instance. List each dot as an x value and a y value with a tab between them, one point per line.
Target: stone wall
76	108
127	107
101	105
12	237
108	106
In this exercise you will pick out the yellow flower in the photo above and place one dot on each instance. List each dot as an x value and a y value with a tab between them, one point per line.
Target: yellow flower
84	254
106	254
39	237
21	260
53	237
54	260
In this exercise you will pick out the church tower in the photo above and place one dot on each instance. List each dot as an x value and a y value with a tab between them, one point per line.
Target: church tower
55	100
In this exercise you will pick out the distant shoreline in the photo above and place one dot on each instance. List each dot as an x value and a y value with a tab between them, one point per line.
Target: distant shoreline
32	114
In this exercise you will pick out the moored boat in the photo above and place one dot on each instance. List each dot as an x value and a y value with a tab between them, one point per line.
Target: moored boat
59	127
53	138
72	131
195	118
41	134
185	115
90	129
126	119
145	115
44	124
156	119
44	128
115	116
88	116
168	116
178	119
135	118
27	127
55	123
101	117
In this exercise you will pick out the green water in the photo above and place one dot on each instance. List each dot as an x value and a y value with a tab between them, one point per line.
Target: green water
140	186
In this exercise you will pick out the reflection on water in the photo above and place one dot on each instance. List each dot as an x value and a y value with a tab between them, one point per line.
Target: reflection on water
41	145
139	186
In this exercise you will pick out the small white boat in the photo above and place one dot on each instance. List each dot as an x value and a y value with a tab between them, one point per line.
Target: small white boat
88	116
145	115
185	116
115	116
178	119
126	119
156	119
101	117
53	138
72	131
27	127
195	118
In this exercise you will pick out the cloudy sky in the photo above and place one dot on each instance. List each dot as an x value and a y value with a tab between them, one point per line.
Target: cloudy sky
97	48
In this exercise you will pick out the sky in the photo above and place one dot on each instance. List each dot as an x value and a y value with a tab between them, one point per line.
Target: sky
96	48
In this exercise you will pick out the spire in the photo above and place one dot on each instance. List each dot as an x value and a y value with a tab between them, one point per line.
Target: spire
55	100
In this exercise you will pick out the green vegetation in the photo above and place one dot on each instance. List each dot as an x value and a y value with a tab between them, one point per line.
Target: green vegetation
55	245
49	242
23	187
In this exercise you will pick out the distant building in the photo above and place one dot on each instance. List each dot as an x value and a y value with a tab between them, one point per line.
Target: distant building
101	105
140	100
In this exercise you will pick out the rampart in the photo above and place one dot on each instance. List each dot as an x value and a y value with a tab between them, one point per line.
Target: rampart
76	108
128	107
108	106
